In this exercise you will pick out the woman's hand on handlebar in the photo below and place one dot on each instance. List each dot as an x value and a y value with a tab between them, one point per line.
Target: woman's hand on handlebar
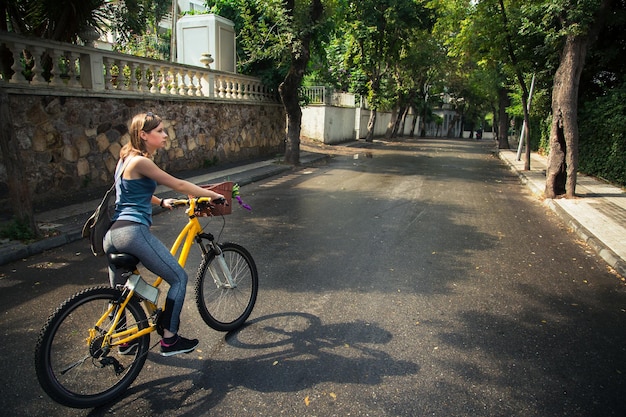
221	200
167	203
172	202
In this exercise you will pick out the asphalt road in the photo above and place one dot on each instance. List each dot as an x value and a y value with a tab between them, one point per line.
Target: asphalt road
416	278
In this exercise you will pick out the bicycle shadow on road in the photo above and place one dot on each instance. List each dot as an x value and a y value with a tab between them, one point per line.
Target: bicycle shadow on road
279	353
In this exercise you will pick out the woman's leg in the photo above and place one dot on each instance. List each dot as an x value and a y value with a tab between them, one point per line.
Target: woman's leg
137	240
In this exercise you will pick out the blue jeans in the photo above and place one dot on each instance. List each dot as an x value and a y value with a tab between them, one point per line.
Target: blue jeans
136	239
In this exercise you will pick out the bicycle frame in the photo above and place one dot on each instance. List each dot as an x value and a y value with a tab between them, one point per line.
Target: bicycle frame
187	236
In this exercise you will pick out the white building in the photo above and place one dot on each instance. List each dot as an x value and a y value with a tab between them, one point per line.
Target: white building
198	39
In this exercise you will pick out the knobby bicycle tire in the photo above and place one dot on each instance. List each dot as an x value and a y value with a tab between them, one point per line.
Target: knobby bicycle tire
225	309
75	374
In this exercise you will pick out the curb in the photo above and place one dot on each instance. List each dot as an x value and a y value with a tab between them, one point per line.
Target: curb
610	257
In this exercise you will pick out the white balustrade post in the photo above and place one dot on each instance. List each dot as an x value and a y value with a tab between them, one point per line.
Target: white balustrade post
207	85
107	73
37	53
92	71
142	81
240	90
56	56
121	77
154	82
182	86
133	84
173	81
72	59
191	88
164	84
17	77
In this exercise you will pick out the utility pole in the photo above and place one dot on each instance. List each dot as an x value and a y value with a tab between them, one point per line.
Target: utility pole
173	37
523	134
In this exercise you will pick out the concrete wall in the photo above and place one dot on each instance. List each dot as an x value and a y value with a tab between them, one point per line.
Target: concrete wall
333	124
329	124
71	143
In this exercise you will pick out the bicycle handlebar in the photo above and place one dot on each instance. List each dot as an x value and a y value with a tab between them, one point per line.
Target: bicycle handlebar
202	206
197	200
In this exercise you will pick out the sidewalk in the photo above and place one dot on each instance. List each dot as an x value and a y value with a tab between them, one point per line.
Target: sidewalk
597	215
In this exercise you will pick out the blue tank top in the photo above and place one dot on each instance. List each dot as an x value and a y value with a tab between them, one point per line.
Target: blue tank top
133	199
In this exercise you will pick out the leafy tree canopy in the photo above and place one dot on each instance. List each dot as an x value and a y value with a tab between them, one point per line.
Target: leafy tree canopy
66	20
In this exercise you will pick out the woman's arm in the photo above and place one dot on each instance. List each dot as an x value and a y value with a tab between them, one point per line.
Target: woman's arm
147	168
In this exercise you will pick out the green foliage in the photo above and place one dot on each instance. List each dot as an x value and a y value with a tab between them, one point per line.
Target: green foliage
149	45
544	129
602	142
65	20
16	230
208	163
270	33
382	45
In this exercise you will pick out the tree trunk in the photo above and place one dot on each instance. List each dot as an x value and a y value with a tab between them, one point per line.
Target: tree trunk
413	123
371	123
563	158
19	194
390	132
402	125
289	88
451	125
503	119
496	121
294	122
398	123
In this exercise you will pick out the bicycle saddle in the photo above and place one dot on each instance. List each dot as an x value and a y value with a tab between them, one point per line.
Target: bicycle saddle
123	260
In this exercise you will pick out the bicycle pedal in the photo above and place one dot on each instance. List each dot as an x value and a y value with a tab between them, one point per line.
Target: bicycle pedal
155	319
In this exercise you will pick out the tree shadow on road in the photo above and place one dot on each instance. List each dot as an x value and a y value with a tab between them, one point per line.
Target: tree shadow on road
283	352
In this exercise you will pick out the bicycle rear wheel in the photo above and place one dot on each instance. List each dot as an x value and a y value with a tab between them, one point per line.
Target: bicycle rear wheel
79	375
222	307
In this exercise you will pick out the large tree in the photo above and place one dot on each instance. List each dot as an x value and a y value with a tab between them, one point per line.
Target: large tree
578	23
279	34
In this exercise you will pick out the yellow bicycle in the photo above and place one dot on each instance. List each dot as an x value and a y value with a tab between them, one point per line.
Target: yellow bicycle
95	344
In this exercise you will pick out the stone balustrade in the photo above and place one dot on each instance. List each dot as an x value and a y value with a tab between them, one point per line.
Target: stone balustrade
33	63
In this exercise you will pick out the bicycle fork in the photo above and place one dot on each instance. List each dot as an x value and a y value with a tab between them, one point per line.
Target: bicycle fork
219	270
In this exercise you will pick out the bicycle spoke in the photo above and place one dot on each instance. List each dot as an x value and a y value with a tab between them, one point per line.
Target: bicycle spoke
75	364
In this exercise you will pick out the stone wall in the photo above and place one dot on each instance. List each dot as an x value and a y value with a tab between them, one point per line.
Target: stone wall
69	144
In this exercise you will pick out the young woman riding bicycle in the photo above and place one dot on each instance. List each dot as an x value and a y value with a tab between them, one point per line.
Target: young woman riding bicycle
130	231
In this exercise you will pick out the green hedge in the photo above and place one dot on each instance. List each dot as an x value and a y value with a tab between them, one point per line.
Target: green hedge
602	142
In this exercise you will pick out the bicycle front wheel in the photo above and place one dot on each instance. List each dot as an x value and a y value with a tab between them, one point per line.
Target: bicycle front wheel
224	304
79	374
